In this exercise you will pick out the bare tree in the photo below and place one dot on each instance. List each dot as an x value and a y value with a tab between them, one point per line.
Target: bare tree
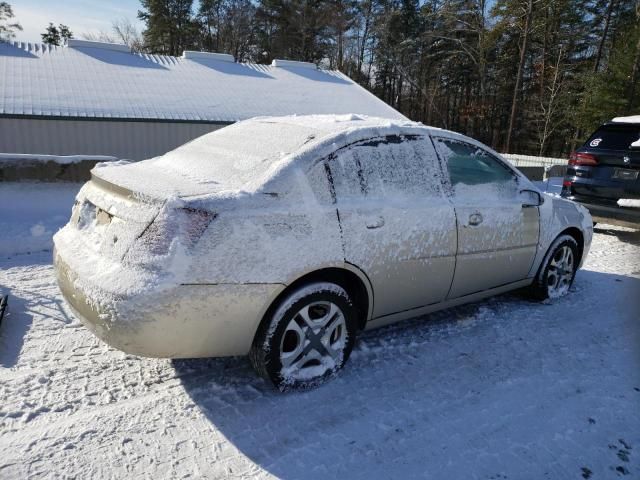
126	32
523	56
549	106
100	36
122	31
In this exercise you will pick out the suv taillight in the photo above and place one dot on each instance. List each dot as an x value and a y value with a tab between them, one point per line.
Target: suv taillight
582	159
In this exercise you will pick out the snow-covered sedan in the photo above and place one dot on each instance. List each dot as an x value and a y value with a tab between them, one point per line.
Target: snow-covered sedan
281	238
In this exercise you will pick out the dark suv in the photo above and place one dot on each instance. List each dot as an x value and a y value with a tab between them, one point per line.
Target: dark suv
605	170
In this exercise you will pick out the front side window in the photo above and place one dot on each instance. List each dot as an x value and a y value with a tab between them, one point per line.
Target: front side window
468	164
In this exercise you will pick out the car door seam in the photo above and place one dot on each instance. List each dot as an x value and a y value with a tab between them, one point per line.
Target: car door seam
448	193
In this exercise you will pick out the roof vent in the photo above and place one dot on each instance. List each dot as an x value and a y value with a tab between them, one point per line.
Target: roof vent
221	57
290	63
118	47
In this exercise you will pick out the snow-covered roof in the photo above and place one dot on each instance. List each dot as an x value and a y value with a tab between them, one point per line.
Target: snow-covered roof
631	119
98	80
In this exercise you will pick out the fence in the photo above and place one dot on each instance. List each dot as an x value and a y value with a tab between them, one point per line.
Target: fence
538	168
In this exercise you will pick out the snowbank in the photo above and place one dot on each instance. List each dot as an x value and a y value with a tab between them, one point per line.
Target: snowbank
30	213
13	158
629	202
17	167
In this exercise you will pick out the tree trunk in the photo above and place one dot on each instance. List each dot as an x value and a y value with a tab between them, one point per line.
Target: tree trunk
635	72
365	37
554	90
604	36
544	51
516	89
340	50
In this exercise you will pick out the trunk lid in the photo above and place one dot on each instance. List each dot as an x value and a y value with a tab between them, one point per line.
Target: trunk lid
109	219
151	181
123	203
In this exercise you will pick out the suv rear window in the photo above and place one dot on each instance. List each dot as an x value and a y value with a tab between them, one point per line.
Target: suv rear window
614	137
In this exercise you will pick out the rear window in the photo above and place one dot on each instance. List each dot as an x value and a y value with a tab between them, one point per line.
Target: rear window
614	137
236	155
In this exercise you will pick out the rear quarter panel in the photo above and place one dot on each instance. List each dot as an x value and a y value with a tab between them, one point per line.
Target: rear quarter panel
270	237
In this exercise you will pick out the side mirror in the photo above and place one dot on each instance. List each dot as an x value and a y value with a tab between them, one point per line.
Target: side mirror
531	198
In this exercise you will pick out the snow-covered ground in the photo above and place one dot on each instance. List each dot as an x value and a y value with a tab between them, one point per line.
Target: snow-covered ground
503	389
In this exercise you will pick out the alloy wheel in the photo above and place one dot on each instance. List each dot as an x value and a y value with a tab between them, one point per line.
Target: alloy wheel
313	342
560	272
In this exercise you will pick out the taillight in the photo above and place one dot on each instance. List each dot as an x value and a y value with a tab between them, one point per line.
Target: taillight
566	183
582	159
184	225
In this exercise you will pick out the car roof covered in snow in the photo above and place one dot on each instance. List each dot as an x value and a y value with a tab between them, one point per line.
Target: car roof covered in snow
246	155
106	81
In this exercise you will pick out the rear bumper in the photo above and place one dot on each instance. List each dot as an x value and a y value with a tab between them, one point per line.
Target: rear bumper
184	321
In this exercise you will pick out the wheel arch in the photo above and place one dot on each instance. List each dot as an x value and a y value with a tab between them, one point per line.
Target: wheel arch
348	276
578	236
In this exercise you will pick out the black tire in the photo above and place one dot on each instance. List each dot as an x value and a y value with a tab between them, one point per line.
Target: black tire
542	287
270	345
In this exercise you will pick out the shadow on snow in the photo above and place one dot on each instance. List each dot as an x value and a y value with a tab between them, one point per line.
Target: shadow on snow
464	379
23	304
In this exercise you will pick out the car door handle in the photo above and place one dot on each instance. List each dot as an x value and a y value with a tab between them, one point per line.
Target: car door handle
377	223
475	219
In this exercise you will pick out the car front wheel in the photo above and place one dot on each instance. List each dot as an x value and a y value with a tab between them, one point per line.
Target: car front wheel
307	339
558	269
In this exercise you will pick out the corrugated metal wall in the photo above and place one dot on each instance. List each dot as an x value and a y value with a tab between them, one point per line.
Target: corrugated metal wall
129	140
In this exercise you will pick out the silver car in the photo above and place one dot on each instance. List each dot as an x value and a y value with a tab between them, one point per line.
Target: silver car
282	238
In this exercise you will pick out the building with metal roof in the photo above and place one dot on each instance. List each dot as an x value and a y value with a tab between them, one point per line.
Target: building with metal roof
92	98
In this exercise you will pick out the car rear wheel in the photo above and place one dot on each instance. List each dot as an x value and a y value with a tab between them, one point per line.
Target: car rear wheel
308	338
558	269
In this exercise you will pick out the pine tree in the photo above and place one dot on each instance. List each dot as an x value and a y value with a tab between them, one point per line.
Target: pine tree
210	15
170	27
341	21
615	89
293	29
56	35
238	29
7	28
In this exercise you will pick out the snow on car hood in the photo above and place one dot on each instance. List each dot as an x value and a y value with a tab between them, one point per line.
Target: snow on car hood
240	157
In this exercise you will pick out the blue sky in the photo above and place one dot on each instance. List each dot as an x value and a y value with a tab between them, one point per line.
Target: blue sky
81	16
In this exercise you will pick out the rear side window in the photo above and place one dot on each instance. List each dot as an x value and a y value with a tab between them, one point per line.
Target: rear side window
471	165
614	137
319	183
386	167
